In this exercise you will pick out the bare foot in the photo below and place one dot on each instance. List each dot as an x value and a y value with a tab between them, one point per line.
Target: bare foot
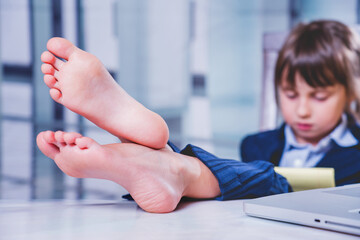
156	179
82	84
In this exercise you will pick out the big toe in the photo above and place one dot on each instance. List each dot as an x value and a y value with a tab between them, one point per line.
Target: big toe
46	145
61	47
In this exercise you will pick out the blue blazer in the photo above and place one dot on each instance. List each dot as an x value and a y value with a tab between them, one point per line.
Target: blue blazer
269	145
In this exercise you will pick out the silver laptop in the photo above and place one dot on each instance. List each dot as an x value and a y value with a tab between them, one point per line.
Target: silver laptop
335	208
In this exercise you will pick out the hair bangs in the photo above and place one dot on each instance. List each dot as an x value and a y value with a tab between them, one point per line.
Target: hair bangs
313	58
315	74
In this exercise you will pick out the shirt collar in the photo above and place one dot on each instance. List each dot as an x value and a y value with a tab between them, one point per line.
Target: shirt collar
341	135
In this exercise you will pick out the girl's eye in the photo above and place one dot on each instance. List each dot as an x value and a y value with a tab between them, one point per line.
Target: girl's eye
321	96
290	94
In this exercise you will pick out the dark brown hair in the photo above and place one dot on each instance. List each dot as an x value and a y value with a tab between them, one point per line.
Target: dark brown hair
323	53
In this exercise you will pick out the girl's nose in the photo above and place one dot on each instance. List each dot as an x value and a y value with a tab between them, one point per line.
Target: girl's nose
303	109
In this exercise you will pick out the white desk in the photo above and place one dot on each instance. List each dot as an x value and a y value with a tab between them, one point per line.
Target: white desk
124	220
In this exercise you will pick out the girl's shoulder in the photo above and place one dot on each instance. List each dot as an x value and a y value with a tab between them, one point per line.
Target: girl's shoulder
272	140
265	145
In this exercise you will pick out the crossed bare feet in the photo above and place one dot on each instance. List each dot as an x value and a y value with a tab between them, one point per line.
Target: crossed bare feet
156	179
82	84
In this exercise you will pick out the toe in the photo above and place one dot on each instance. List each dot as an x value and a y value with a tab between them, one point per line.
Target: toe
59	136
49	136
61	47
47	69
56	74
47	147
50	81
85	142
58	63
49	58
71	137
55	95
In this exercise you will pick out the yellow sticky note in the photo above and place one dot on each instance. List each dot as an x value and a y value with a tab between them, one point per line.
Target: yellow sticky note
308	178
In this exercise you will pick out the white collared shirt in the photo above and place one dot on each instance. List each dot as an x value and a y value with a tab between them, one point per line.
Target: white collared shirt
307	155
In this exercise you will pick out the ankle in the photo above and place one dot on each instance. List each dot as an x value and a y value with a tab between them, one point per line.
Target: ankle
191	171
203	183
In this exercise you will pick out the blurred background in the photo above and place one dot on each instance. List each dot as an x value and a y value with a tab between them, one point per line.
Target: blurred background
203	65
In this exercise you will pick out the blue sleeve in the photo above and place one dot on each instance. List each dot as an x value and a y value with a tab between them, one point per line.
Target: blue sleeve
238	179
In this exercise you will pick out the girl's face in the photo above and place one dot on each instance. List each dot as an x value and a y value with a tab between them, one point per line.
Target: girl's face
312	113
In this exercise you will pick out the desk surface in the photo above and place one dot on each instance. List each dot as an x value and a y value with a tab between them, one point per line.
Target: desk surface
124	220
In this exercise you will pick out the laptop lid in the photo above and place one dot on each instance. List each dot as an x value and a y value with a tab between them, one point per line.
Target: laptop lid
335	208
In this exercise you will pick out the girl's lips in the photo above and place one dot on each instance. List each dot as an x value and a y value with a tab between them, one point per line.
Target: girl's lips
304	126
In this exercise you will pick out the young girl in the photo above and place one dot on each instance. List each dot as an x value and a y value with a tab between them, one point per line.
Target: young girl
316	78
